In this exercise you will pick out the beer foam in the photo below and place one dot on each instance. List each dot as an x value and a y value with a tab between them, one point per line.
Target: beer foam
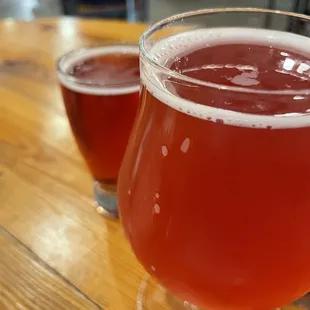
182	44
79	85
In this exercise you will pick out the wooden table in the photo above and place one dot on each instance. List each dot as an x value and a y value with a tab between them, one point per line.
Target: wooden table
56	252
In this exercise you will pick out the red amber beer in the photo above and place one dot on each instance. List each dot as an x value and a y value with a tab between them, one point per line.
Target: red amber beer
214	188
100	87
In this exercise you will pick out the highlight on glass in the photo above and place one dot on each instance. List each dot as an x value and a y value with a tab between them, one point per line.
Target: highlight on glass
100	87
214	186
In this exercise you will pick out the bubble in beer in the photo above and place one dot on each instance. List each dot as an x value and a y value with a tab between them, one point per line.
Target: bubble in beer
299	97
157	195
156	208
164	150
185	145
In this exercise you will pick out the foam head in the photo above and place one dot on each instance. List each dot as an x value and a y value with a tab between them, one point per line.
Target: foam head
166	50
82	85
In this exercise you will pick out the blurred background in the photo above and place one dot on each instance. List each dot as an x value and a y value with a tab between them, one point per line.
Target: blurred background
131	10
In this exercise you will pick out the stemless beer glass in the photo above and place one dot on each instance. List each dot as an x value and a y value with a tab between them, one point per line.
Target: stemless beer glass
214	187
100	87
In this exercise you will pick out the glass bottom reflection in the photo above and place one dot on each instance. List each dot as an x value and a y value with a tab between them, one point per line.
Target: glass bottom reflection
152	296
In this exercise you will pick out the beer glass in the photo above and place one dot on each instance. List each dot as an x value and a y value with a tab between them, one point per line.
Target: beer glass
214	187
100	87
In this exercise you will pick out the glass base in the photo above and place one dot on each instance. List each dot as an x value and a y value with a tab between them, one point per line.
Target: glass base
105	202
152	296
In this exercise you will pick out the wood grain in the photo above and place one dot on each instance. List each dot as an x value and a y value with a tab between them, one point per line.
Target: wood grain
45	189
27	283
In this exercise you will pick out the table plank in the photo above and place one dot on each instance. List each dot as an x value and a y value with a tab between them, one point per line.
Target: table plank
61	226
45	189
27	283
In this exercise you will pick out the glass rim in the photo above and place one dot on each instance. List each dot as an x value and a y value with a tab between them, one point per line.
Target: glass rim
177	17
63	73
